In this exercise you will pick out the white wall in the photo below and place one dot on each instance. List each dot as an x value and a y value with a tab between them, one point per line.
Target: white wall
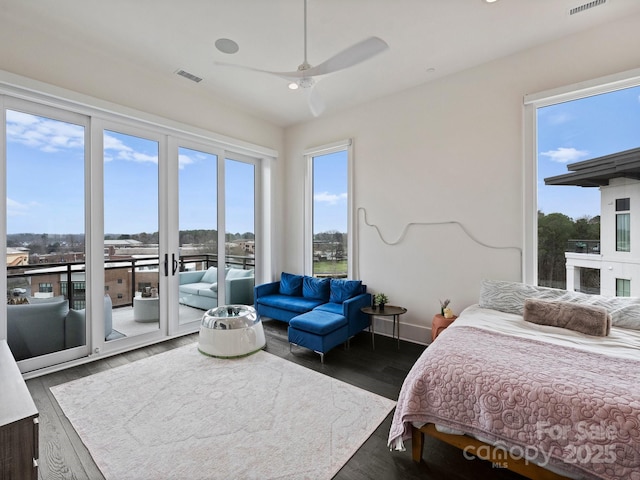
448	150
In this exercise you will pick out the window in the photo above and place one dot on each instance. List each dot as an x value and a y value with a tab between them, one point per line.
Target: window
623	287
45	287
328	212
623	227
565	127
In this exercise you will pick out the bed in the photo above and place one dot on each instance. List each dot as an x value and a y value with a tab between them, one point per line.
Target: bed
544	401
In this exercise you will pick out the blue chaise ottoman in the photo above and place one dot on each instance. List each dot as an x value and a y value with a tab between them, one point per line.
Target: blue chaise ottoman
319	331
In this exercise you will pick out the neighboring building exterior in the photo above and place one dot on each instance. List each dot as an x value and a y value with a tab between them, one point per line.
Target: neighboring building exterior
618	178
17	256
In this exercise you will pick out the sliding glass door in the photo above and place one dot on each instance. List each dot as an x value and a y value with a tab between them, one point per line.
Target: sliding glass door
46	155
131	234
118	235
216	224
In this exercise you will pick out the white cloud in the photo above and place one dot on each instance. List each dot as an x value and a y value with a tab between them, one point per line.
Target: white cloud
43	133
184	160
17	209
559	118
329	198
565	154
116	150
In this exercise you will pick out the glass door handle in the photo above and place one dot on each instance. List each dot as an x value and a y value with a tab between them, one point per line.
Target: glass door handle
175	263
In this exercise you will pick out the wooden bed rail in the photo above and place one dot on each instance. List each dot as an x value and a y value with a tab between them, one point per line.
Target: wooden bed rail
498	457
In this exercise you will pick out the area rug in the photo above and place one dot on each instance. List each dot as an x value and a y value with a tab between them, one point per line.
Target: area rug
183	415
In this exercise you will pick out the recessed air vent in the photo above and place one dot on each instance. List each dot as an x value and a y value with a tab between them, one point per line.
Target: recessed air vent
586	6
188	75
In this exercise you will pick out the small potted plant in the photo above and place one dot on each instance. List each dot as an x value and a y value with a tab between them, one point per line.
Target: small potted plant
380	299
445	311
444	305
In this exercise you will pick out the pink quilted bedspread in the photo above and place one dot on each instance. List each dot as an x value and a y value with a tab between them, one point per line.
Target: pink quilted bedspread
552	405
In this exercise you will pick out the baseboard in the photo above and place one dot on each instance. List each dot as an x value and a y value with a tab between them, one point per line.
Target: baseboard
411	333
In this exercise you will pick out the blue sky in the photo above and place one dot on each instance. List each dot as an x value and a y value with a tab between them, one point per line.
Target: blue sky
45	188
330	192
581	130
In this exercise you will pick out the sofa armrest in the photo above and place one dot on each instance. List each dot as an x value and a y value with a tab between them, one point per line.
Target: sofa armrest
239	291
266	289
191	277
351	308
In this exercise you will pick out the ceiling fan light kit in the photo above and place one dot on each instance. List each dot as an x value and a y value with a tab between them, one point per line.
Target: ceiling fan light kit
305	76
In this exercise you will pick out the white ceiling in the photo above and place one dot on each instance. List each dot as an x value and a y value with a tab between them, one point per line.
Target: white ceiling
428	39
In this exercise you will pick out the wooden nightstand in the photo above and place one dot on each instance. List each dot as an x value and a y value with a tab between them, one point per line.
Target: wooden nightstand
438	324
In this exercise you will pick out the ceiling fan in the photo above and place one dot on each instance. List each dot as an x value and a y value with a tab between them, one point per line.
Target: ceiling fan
306	75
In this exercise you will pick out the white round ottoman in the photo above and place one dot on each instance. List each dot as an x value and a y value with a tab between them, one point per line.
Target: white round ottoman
231	331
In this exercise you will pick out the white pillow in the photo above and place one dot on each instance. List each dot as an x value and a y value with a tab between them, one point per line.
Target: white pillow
509	297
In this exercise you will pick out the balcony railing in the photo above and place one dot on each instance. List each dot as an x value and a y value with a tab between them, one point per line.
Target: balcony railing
62	276
583	246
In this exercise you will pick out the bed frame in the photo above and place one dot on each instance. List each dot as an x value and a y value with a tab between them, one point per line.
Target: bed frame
498	457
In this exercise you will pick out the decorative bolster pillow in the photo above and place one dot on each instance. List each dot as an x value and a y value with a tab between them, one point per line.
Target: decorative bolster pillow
588	319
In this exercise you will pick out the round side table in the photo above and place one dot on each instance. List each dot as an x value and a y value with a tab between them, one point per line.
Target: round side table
439	323
389	311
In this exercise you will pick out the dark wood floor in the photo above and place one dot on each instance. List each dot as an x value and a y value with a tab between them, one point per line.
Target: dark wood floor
382	371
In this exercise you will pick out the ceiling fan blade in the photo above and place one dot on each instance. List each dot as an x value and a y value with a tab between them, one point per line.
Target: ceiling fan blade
315	101
286	75
357	53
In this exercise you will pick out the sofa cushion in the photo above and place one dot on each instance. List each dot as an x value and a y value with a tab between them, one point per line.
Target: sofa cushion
343	290
337	308
56	299
208	292
316	288
291	284
238	273
194	288
210	276
318	322
289	303
75	328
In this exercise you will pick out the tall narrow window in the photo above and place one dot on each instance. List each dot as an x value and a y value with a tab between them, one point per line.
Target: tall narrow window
329	215
623	287
623	225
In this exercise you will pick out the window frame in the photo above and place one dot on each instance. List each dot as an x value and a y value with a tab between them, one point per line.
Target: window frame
309	154
532	102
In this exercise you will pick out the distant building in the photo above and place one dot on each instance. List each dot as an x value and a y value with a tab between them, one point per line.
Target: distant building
618	178
17	256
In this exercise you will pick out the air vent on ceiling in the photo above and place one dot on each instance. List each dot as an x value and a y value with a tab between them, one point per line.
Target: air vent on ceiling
188	75
586	6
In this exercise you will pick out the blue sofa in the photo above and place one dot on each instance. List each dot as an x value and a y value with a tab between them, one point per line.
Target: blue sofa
321	312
